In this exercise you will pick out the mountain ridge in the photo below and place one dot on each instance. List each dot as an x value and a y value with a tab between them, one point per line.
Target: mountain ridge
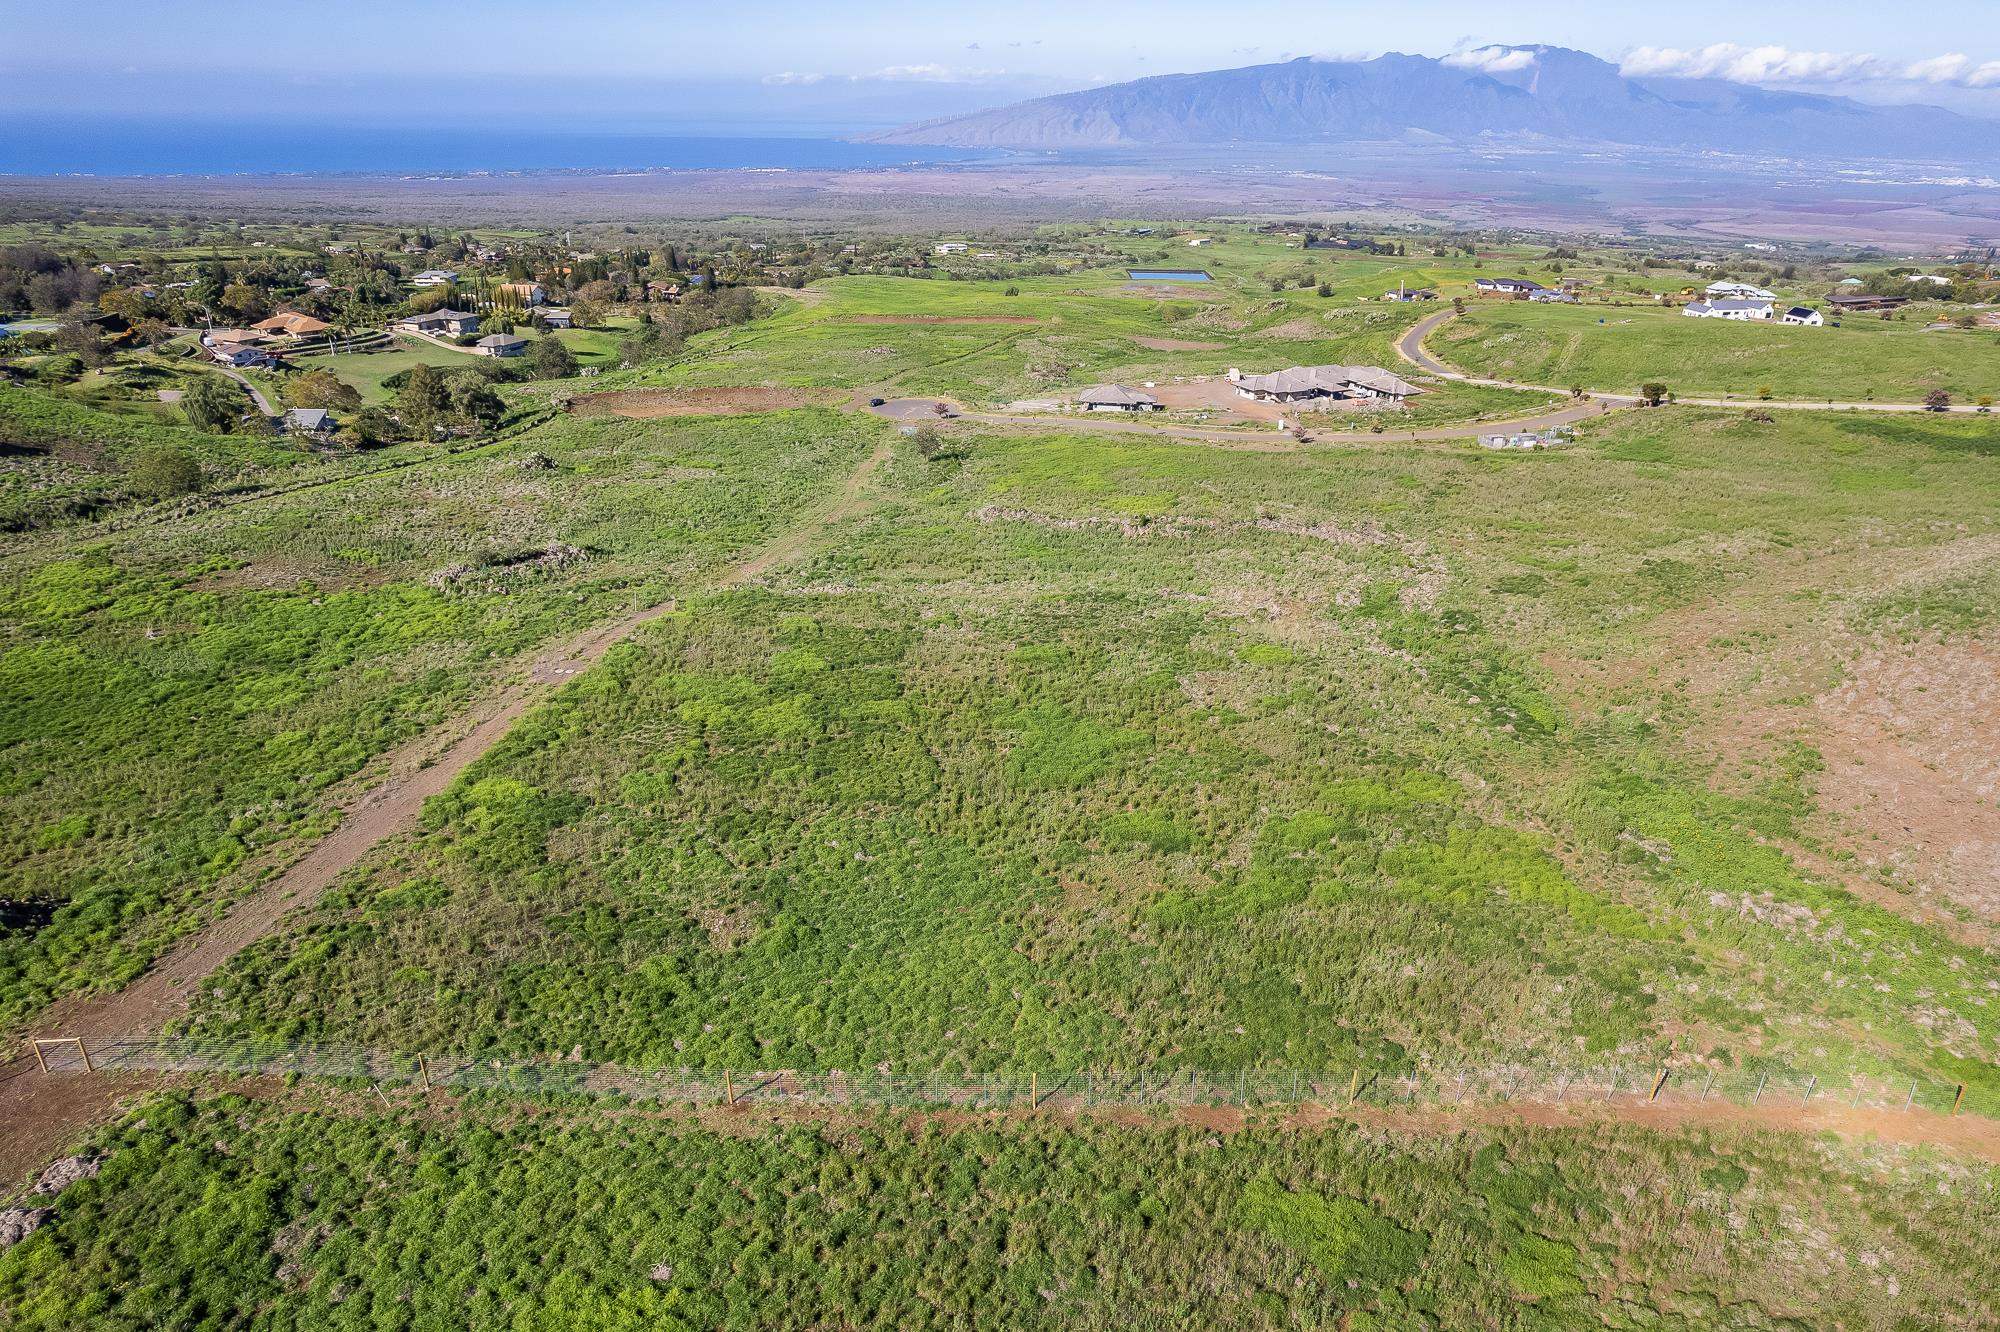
1556	93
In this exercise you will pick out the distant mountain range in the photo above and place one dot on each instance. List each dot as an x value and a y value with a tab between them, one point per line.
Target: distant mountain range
1550	93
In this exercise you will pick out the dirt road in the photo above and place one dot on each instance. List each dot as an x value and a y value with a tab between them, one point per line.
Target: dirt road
38	1114
920	411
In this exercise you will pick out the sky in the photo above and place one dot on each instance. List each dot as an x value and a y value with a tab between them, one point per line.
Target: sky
838	65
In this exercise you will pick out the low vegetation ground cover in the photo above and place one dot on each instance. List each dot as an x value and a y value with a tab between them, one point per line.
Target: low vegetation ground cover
1101	753
1865	359
179	696
1063	751
244	1213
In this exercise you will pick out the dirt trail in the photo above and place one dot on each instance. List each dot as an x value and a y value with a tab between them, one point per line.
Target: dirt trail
38	1114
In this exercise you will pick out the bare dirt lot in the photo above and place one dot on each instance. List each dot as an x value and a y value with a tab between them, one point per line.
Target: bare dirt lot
1216	395
650	404
1911	741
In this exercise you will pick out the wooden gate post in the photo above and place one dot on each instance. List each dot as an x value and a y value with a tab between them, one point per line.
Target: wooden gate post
85	1052
40	1062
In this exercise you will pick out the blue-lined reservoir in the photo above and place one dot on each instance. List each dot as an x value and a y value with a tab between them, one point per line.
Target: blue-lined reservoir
1168	275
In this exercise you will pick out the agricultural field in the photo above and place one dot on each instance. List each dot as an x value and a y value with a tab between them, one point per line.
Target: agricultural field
1865	359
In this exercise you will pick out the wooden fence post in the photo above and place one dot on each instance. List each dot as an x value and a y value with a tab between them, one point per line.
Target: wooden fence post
1811	1084
728	1088
85	1052
1657	1086
423	1072
1759	1094
1707	1085
1958	1099
40	1062
1034	1091
1353	1085
1911	1099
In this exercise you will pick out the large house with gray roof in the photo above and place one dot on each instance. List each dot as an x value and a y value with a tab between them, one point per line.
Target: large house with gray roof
1322	385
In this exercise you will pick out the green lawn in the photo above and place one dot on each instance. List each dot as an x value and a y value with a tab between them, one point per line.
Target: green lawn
1617	349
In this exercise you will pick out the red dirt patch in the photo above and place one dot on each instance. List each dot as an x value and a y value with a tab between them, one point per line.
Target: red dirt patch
649	404
1912	748
1175	344
937	319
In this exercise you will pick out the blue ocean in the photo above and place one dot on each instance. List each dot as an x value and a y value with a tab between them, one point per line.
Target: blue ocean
73	146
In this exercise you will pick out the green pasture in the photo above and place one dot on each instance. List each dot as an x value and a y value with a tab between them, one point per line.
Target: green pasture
1618	349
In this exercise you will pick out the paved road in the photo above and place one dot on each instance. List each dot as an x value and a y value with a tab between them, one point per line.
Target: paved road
263	403
1411	348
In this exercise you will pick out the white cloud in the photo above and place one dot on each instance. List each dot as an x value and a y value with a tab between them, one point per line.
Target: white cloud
1492	59
790	79
1782	65
1957	69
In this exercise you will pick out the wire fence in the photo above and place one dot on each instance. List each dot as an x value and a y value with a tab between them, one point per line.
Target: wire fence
1073	1089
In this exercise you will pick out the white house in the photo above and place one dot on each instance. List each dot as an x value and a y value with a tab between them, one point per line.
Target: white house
1518	288
1546	296
434	277
1740	311
1202	240
1740	291
240	355
1802	316
1117	398
951	247
1933	279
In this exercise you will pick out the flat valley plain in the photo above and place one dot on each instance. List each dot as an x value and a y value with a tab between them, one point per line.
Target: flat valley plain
1054	750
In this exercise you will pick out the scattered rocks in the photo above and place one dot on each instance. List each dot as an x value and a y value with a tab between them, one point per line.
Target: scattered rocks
66	1172
496	572
17	1223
